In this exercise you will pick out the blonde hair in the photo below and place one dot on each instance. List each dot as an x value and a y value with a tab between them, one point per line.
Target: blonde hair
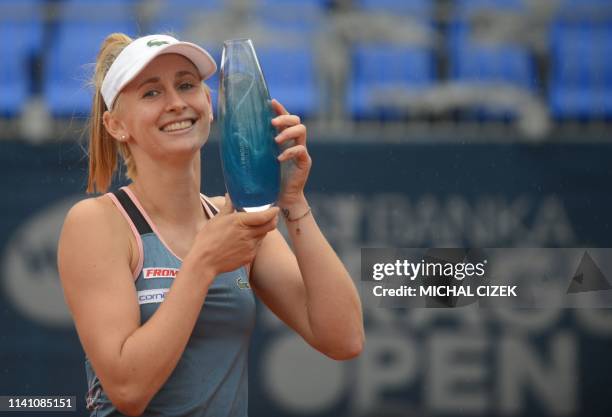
103	148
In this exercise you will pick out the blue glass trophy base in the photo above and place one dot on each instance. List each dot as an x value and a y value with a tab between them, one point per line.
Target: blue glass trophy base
256	209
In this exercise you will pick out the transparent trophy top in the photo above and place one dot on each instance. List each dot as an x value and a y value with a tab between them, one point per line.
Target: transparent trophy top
248	151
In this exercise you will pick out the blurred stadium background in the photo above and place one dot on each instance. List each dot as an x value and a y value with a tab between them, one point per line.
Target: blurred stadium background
479	123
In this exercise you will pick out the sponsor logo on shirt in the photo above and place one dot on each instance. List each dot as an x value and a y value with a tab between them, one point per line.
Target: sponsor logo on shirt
155	272
156	295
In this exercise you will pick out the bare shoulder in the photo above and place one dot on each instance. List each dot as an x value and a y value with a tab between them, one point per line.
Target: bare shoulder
93	258
96	214
91	210
94	225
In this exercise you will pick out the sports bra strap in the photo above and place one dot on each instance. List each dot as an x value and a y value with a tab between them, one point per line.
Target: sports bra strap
130	208
212	208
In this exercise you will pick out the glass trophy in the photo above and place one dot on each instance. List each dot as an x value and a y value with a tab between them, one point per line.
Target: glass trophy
248	150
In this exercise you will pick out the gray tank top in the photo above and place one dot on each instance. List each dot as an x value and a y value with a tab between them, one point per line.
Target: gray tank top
211	377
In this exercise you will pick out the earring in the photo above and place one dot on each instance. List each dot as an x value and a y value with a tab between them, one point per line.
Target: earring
122	137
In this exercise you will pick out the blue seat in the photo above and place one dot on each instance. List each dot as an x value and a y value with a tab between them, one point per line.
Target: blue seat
70	66
97	11
490	65
96	2
380	68
422	8
583	5
509	64
460	30
298	4
290	73
465	8
21	22
177	15
480	61
581	71
21	26
21	10
16	71
579	3
303	17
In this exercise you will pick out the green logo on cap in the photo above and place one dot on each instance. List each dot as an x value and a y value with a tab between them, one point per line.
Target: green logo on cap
242	283
153	42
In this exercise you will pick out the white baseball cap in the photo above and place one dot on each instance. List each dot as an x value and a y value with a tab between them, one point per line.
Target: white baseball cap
134	57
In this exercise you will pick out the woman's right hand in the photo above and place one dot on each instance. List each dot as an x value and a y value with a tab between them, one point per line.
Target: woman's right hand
230	240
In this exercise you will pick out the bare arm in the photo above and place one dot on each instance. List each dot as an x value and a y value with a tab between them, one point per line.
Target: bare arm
134	361
310	291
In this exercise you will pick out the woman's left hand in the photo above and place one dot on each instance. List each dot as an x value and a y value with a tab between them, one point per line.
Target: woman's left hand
290	128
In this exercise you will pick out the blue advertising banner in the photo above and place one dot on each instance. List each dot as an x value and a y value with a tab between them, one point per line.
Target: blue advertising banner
451	362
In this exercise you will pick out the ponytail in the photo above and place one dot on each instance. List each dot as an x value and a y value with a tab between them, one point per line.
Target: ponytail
103	148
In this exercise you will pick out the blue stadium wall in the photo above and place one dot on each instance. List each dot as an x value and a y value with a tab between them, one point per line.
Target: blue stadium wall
416	362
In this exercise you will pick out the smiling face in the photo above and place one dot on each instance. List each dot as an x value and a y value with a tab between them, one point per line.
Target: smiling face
165	112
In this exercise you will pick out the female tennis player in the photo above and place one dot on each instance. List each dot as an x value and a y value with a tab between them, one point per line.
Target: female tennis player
161	279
